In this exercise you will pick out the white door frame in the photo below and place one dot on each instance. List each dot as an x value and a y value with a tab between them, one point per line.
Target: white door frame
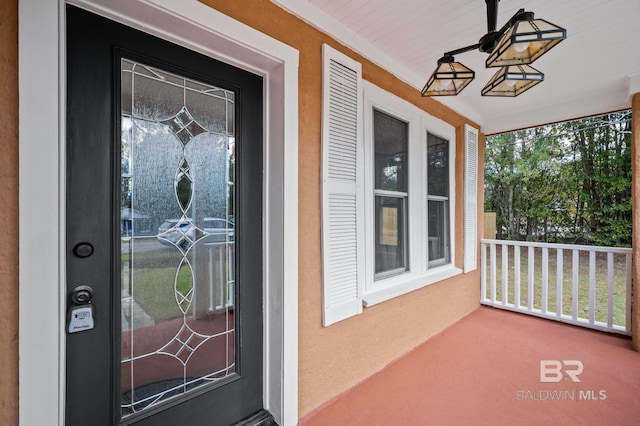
42	187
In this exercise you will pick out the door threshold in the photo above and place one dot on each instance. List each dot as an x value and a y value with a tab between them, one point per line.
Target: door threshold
261	418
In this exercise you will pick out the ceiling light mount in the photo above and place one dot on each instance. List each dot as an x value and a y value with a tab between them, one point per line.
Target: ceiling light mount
488	42
521	40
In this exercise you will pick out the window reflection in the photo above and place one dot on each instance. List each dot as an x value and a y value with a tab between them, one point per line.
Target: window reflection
390	234
390	143
439	251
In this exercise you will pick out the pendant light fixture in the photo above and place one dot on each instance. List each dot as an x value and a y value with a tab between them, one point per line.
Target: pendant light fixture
522	40
448	79
512	80
525	41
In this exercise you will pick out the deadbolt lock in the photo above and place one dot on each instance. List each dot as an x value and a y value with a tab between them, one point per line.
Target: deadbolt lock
81	295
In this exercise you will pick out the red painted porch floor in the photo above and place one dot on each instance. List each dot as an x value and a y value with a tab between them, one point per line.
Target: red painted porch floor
485	370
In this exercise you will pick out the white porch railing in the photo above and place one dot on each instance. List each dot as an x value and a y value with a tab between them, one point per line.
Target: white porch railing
588	286
221	279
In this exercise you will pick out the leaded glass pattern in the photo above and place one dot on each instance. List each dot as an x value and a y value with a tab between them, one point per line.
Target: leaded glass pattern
177	227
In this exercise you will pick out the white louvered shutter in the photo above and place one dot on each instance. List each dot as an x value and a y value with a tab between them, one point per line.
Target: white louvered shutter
342	204
470	199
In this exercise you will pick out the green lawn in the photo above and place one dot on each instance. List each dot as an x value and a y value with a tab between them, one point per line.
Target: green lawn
153	282
153	290
601	287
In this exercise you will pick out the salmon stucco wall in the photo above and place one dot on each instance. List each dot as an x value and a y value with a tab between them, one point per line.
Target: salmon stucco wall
9	212
331	359
335	358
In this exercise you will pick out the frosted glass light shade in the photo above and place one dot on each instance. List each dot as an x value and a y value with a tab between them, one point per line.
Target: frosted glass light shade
448	79
525	41
512	81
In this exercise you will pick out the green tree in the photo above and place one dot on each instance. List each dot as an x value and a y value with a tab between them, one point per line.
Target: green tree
567	182
603	178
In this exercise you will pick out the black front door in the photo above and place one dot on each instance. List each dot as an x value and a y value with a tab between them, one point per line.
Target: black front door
164	231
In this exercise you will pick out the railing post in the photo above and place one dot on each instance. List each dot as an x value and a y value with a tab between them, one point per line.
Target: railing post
483	272
222	277
493	272
505	274
516	275
575	270
231	278
609	290
545	280
592	287
211	280
559	281
530	278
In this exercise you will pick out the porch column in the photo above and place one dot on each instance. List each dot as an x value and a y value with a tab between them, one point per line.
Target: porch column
635	198
9	212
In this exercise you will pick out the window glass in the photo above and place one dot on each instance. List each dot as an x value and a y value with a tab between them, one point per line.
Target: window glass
438	165
390	144
438	231
390	231
439	251
390	136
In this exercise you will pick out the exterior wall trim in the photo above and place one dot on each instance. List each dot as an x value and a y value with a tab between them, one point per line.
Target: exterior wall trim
42	191
319	19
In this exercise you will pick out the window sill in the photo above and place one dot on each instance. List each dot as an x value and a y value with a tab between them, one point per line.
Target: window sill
411	283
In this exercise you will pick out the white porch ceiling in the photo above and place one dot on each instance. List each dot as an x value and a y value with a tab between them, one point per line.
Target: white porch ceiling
588	73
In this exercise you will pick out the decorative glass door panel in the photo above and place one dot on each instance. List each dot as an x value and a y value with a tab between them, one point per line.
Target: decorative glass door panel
164	236
177	235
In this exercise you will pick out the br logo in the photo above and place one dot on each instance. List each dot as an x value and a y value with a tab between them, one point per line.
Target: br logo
553	370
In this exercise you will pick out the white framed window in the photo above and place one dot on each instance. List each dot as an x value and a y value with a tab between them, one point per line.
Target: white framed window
388	193
409	201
